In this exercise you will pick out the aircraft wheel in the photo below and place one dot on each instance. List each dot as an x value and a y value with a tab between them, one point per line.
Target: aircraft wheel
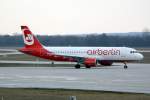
88	66
125	66
77	66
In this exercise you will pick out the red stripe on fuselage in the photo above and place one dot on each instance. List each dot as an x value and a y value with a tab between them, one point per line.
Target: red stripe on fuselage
43	53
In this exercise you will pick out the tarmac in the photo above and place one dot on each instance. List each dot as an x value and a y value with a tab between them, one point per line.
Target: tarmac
115	78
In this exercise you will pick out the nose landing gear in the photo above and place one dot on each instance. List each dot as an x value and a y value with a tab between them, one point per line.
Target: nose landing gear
125	65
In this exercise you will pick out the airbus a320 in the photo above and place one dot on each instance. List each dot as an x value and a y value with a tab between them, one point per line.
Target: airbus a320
88	56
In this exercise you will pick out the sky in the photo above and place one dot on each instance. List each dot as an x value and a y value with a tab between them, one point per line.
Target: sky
74	16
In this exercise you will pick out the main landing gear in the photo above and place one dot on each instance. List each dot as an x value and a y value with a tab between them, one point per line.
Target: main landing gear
77	66
125	65
87	66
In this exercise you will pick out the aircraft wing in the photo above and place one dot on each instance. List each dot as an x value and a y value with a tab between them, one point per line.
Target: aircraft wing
75	58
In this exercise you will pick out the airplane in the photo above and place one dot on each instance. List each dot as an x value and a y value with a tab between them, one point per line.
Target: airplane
88	56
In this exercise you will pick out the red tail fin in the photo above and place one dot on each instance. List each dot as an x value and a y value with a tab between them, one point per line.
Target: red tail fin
29	39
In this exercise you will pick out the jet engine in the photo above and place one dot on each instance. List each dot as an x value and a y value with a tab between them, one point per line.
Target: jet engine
90	62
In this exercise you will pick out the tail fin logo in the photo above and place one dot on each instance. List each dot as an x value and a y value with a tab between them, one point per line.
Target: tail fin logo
28	39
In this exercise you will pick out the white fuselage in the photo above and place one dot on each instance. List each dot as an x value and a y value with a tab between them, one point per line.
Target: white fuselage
100	53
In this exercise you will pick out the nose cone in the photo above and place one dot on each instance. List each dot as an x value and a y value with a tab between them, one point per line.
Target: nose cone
140	56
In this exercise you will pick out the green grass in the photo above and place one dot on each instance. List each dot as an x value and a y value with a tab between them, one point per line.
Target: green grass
64	94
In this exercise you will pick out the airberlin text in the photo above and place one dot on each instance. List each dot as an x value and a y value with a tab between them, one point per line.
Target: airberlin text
103	52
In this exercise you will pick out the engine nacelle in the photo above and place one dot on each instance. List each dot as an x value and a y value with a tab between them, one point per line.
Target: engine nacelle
90	62
105	63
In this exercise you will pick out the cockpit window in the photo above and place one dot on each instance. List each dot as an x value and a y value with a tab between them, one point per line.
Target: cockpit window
134	52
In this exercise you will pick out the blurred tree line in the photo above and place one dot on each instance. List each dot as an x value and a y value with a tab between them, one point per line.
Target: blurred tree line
81	40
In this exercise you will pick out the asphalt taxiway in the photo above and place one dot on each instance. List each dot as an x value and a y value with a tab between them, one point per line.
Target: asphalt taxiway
115	78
